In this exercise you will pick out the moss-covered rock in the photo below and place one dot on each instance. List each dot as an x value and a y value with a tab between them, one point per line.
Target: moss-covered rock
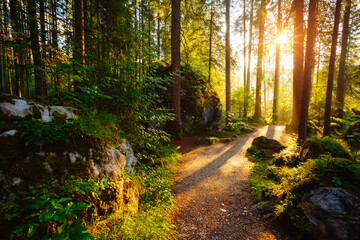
314	147
266	143
34	151
200	105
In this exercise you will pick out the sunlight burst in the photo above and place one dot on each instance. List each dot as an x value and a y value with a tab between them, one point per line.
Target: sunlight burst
281	38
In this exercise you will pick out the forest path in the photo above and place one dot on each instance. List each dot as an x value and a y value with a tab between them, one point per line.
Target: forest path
212	197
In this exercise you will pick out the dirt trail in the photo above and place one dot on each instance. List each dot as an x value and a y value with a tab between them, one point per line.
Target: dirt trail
211	194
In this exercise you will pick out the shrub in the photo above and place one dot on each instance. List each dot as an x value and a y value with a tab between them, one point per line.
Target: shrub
56	211
254	154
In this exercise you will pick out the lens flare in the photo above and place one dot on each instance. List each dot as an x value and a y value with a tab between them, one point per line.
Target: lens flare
281	39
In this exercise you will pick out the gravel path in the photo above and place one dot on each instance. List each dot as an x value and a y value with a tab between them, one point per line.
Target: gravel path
211	194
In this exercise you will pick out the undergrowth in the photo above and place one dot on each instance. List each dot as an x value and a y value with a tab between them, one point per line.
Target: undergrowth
287	176
153	219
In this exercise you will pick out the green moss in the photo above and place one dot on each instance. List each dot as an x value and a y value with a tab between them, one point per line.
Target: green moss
314	147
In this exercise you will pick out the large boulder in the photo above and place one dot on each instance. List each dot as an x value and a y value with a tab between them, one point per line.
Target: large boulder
334	211
26	159
200	104
267	143
314	147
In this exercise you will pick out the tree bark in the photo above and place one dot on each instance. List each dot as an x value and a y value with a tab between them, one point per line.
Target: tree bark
259	76
330	83
340	93
35	48
79	41
158	29
244	23
210	38
42	22
277	65
175	60
15	25
247	89
298	58
309	61
227	62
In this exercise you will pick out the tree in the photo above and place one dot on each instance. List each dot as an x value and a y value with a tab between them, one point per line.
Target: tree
277	65
244	24
247	88
79	38
298	53
259	74
18	56
210	37
175	62
330	83
340	93
35	48
227	62
309	60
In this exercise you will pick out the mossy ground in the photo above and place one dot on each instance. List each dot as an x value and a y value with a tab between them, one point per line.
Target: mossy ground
285	177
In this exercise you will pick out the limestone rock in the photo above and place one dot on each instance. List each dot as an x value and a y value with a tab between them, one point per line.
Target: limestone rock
334	211
21	108
130	156
23	165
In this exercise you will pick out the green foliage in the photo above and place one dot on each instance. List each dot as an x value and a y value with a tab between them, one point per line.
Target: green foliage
156	189
283	180
56	211
155	223
289	156
38	132
92	124
154	219
254	154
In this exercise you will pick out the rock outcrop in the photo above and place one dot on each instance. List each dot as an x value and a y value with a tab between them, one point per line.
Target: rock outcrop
24	163
334	211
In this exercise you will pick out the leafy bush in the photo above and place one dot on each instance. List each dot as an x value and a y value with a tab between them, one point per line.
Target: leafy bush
56	211
37	132
283	181
254	154
288	157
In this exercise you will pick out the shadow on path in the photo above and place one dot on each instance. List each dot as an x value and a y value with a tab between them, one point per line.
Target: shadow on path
209	169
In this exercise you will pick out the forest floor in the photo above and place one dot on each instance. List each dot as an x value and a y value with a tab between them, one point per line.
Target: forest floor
212	197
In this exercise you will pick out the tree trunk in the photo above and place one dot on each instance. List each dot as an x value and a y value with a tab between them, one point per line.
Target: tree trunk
35	47
259	77
42	22
227	62
158	29
79	44
175	61
298	58
309	59
210	38
277	65
244	23
340	93
247	89
330	83
14	7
